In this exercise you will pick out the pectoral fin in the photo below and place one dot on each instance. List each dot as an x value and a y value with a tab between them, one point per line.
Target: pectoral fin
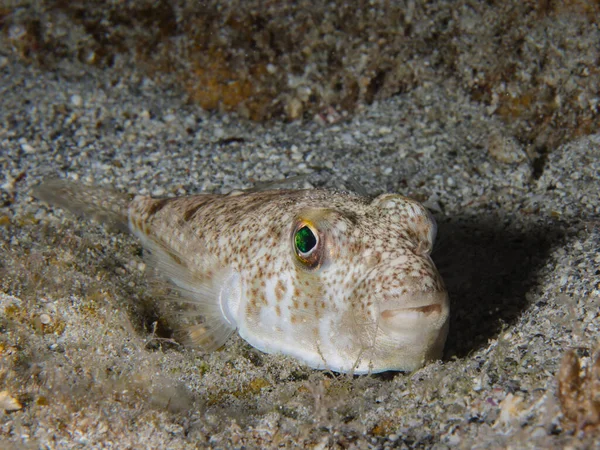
212	289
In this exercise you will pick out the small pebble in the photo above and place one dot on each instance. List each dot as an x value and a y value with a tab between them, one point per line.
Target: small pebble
76	100
538	433
27	148
45	319
294	108
505	149
453	440
347	139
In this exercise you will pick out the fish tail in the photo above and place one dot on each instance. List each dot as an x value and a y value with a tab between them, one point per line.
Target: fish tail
104	205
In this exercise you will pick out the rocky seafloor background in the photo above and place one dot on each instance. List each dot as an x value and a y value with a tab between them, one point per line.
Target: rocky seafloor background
487	113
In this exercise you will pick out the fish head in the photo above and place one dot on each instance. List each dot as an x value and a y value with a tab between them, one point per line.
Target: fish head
384	305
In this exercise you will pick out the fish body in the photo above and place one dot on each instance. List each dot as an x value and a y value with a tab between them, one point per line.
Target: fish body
337	280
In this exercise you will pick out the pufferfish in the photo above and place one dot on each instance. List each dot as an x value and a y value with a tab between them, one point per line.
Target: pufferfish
335	279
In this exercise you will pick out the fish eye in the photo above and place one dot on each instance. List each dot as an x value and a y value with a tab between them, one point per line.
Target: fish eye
305	240
307	245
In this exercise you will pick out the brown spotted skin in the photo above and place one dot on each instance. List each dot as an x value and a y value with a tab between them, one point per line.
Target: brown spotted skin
371	301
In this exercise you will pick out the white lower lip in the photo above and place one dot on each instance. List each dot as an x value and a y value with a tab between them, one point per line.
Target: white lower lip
419	311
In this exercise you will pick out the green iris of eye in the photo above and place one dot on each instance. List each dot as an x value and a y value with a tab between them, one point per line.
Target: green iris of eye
305	240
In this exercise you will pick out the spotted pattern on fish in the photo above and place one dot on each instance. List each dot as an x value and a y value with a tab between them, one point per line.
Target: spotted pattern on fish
364	297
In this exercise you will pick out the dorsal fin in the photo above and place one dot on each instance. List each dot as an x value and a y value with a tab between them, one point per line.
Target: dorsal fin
104	205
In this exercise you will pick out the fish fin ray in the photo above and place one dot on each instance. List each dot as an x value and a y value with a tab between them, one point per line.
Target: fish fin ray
206	290
103	205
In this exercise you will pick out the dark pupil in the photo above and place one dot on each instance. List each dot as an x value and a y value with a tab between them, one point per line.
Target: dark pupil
305	240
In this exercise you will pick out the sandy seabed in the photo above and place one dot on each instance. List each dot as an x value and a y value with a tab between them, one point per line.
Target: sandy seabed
87	359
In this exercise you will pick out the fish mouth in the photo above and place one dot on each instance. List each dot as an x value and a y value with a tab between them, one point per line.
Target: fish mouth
426	310
415	312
